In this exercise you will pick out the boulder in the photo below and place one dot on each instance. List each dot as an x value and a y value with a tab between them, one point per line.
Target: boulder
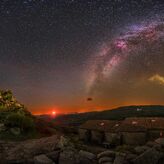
130	156
29	148
69	157
141	149
107	153
120	158
15	131
63	142
151	144
42	159
2	127
105	159
87	161
158	147
54	155
151	156
88	155
160	141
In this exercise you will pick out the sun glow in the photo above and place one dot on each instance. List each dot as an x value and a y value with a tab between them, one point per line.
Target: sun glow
53	113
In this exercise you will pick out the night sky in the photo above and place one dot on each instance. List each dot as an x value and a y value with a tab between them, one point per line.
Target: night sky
55	54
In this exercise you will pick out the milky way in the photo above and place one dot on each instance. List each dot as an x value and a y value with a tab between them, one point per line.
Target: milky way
138	40
54	54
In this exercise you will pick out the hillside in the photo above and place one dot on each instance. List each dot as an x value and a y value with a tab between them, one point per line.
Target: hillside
114	114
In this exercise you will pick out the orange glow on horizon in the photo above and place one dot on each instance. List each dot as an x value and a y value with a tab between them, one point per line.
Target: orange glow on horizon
58	111
53	113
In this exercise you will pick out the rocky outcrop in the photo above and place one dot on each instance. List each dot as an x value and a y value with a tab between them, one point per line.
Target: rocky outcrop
60	150
151	153
42	159
106	157
106	153
69	157
88	155
54	155
73	156
120	158
105	160
26	150
151	156
160	141
141	149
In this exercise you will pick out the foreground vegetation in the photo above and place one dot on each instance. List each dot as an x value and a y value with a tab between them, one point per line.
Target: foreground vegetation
16	121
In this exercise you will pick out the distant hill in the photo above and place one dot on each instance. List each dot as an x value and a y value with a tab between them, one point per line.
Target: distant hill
113	114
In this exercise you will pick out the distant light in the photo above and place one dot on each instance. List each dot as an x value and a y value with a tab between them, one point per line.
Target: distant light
134	122
139	109
102	123
153	120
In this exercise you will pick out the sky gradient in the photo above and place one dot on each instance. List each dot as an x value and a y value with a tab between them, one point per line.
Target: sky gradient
54	54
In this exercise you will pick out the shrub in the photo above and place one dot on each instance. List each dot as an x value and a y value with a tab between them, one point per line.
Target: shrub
28	124
25	123
3	116
2	107
7	95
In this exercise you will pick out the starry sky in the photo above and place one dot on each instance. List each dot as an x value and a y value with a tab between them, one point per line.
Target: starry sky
55	54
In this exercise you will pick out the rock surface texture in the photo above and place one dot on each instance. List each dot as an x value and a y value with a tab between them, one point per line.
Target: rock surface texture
27	150
42	159
151	153
48	150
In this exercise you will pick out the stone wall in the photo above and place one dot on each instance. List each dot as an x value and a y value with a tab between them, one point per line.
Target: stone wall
154	134
84	135
97	136
134	138
113	138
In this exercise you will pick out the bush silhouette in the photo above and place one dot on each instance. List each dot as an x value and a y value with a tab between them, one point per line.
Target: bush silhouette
25	123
